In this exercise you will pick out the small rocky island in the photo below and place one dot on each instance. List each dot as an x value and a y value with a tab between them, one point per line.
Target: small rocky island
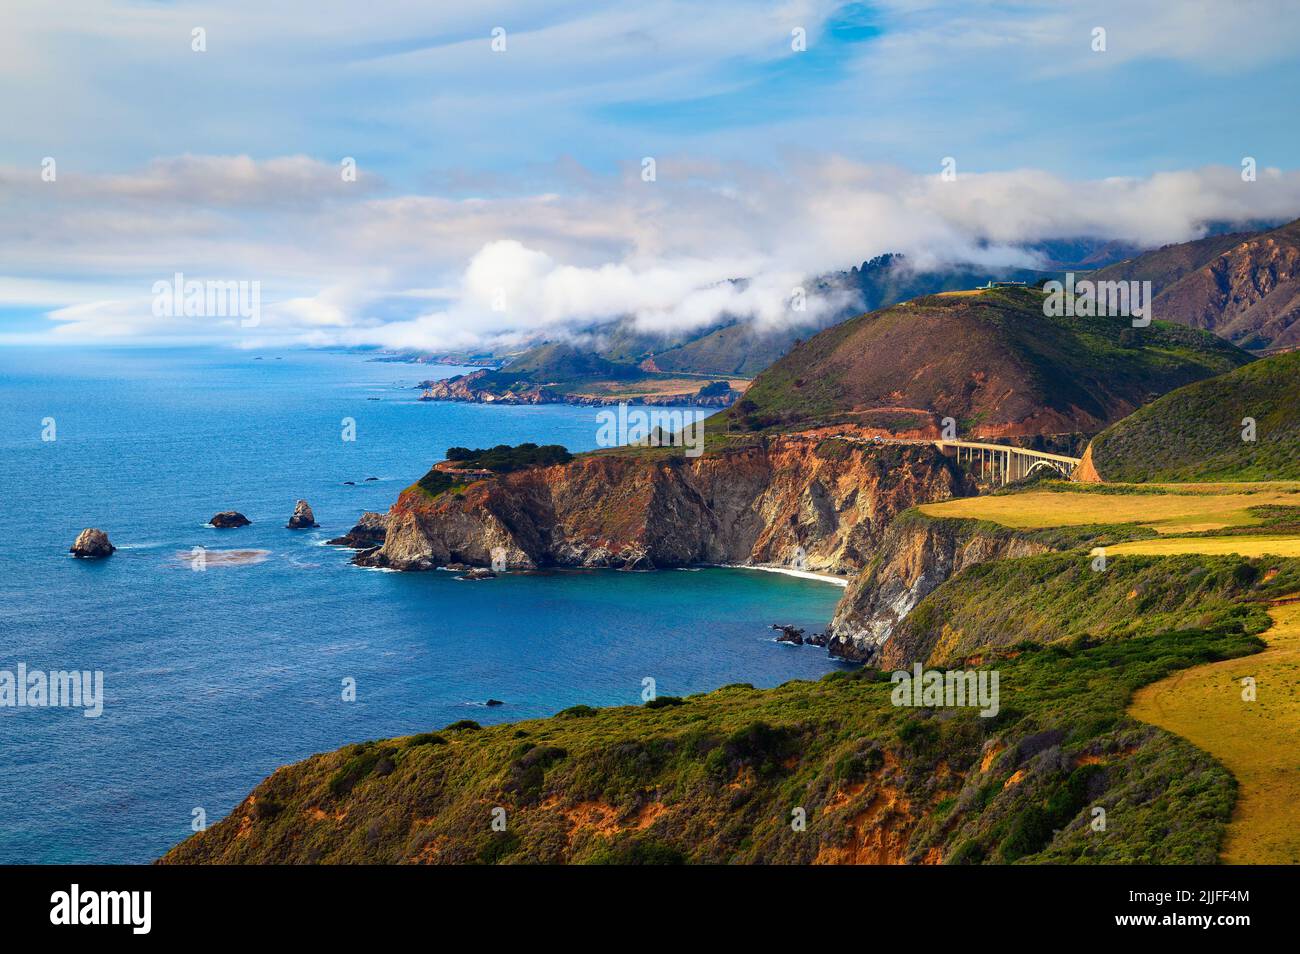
795	636
303	518
91	544
229	519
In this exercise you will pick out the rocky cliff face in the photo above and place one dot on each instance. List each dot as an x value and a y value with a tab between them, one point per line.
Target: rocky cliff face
822	505
915	556
1250	294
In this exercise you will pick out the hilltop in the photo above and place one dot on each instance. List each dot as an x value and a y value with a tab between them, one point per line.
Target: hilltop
1244	287
1195	433
991	360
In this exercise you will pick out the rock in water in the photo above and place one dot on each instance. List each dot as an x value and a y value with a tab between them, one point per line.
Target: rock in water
303	518
478	573
228	519
92	544
369	532
789	634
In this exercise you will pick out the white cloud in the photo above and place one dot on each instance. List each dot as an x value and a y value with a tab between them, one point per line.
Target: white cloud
358	266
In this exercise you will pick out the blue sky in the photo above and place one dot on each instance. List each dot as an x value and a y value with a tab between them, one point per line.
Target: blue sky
484	169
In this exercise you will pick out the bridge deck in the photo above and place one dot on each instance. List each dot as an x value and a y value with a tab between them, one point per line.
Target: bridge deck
977	445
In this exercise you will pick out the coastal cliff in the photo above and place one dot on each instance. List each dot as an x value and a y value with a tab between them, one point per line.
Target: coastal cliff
916	555
817	505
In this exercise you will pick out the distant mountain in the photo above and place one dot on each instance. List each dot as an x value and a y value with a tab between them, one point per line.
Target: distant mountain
1196	433
991	360
1244	287
733	347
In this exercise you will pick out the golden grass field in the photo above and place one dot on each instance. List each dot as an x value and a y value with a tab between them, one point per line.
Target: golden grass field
1245	546
1258	742
1184	509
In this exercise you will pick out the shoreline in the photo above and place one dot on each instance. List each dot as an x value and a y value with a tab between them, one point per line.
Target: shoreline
789	571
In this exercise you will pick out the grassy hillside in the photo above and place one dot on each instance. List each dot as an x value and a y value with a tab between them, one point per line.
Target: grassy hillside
1195	433
991	360
718	777
559	364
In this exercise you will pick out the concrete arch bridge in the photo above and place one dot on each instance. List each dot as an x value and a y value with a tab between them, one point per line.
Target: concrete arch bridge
1001	464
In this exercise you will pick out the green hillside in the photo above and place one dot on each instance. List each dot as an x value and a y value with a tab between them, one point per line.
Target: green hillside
558	363
718	777
1195	432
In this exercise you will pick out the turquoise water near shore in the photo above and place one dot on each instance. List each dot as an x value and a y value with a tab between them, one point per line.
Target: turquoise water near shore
215	678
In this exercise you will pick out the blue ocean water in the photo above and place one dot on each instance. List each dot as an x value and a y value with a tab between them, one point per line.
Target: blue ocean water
215	678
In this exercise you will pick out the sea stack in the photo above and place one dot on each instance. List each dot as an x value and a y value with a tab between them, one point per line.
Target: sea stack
91	545
228	519
370	531
303	518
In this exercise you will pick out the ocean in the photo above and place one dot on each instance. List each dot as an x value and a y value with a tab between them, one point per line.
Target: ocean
213	679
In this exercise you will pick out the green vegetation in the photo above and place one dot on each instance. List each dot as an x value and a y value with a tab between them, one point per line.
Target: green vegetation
437	482
716	778
556	365
1136	596
1196	432
504	459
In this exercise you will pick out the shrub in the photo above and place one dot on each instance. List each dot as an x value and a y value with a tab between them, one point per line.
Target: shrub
645	850
267	807
664	702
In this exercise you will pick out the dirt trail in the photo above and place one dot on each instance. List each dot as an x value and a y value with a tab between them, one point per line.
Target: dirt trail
1259	741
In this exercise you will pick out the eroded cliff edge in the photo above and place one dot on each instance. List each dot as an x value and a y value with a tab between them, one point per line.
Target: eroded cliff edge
915	556
820	505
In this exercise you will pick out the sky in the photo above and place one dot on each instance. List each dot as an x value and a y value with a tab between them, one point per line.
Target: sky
526	169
